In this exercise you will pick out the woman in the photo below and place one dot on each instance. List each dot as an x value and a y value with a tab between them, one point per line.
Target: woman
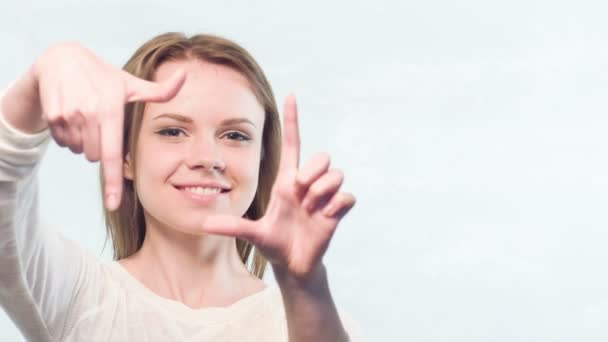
194	177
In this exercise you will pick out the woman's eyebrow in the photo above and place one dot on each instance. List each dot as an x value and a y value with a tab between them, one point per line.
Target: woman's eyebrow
177	117
235	121
188	120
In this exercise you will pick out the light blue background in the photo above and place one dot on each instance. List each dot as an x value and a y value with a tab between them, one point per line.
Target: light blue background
473	134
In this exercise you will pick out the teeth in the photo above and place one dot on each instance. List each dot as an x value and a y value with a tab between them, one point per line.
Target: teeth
202	191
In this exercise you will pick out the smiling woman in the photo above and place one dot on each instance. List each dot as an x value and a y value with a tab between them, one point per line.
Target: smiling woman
201	193
223	81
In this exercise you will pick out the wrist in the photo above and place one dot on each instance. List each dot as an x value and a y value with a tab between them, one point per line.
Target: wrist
309	306
314	281
21	104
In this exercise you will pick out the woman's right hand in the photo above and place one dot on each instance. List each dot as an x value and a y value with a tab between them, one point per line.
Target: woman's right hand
82	100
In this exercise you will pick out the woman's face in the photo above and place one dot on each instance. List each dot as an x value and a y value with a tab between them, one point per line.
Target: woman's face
199	153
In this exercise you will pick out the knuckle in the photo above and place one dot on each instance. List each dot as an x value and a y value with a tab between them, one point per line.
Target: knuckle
339	200
78	119
339	174
324	157
76	149
68	117
95	116
58	135
87	119
88	111
54	118
283	191
91	121
315	190
301	179
70	112
91	154
92	110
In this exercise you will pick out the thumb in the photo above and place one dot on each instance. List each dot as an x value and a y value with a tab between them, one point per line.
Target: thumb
234	226
150	91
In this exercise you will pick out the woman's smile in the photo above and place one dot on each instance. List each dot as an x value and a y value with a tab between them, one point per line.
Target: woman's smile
202	195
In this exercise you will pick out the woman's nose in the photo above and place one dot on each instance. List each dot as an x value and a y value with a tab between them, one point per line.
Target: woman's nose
205	153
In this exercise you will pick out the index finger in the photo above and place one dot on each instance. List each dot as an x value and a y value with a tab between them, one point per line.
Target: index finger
154	91
290	151
111	158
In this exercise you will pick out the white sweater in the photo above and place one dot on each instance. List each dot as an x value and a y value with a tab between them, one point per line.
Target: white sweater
54	290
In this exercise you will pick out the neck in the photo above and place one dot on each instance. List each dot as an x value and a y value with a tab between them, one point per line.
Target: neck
198	271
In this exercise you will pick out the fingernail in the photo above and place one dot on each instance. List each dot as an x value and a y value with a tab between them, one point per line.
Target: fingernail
112	201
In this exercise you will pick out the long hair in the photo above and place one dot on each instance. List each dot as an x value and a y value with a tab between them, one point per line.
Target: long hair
126	225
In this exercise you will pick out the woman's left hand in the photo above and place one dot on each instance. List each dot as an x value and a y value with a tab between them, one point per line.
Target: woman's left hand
304	210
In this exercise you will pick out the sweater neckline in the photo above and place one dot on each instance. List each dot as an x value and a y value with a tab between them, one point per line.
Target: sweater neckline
218	313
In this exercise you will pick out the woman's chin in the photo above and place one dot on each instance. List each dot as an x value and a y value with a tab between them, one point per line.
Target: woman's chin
188	221
195	225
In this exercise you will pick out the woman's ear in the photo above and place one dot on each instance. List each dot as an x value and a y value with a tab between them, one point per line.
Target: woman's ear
127	169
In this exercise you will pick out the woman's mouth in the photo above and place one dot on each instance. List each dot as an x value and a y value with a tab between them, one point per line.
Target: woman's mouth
202	194
199	190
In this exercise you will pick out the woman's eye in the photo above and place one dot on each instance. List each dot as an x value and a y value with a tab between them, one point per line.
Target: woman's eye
237	136
171	132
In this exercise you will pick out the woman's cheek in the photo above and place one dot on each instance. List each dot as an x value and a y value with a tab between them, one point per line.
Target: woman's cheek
245	169
242	163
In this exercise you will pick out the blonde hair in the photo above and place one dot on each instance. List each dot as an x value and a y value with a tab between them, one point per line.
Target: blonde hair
126	225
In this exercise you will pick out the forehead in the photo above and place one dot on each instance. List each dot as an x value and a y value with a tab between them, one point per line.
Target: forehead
210	91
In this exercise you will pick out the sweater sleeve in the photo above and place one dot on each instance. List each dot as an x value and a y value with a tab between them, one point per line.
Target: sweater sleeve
39	268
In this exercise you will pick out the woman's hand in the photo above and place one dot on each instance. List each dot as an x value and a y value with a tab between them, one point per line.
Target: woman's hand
82	101
304	210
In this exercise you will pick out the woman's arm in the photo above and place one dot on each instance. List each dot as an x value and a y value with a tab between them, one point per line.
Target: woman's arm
38	268
310	309
305	207
21	105
66	94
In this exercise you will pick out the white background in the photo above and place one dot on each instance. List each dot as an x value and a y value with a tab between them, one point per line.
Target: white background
473	134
